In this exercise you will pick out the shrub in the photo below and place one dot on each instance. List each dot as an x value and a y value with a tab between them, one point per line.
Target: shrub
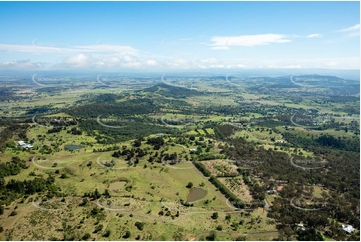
86	236
139	225
127	234
106	234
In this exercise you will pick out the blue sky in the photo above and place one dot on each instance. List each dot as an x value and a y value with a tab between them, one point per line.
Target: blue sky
179	35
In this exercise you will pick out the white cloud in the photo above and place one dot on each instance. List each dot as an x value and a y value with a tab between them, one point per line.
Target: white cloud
130	58
353	28
90	62
81	60
135	65
181	63
284	67
216	66
151	63
238	66
87	61
35	49
209	60
332	63
313	36
352	31
21	65
105	49
223	42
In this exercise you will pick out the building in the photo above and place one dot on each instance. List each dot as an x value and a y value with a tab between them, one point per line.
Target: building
24	145
271	191
21	143
301	226
27	146
348	228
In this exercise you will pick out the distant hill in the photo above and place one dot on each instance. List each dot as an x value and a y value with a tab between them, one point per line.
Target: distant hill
173	91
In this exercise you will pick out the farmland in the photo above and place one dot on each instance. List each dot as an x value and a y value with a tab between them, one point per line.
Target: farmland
116	158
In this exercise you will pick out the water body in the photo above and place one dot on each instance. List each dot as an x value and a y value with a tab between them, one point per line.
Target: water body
196	194
73	147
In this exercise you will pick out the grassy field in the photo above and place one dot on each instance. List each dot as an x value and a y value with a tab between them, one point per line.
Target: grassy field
147	188
147	192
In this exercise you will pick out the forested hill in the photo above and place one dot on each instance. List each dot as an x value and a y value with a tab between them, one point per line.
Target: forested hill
173	91
130	107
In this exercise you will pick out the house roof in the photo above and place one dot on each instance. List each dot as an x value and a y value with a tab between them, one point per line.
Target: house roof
279	188
348	228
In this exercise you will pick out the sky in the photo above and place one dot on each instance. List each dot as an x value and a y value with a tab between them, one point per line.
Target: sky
179	36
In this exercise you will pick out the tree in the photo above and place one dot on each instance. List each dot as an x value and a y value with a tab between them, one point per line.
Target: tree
190	185
309	235
212	236
98	228
127	234
96	194
139	225
178	235
214	215
137	143
106	234
241	238
106	193
86	236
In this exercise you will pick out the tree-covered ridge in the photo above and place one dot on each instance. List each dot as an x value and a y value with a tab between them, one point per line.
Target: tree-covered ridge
324	141
114	109
173	91
131	130
14	189
12	130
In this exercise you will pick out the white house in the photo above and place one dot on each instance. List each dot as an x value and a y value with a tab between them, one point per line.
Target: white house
21	143
24	145
348	228
300	226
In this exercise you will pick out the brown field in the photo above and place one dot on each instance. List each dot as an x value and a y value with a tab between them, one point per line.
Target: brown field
220	167
237	187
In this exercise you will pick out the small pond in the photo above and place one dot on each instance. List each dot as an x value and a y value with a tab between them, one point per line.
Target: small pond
73	147
195	194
